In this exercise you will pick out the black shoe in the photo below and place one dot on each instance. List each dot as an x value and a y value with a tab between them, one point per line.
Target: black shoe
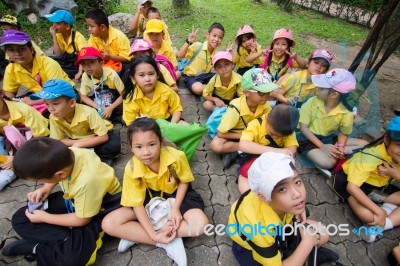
19	247
230	159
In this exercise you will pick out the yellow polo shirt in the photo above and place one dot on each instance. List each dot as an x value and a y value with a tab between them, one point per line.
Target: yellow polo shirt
166	36
276	68
240	58
363	167
298	84
164	102
167	51
110	79
313	114
256	132
86	123
203	61
44	68
141	25
67	47
253	211
233	90
21	113
231	121
90	181
138	179
167	76
117	43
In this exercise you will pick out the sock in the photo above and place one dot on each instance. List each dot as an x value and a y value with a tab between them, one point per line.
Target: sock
388	207
34	249
388	224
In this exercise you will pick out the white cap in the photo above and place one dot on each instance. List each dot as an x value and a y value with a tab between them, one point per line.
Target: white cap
268	170
141	2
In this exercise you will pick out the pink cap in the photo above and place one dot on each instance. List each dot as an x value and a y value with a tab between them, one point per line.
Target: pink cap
244	30
222	55
322	53
284	33
338	79
140	45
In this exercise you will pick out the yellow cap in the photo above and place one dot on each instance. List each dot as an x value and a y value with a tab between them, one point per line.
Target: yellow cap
154	25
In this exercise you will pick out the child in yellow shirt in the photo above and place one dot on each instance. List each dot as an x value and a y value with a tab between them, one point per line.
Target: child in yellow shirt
154	13
138	24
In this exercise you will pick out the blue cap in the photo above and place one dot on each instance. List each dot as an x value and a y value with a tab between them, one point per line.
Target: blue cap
393	129
61	16
53	89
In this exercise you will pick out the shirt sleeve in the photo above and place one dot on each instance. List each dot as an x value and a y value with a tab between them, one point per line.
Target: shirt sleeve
290	140
118	84
305	113
229	120
209	89
124	46
286	82
9	82
183	171
174	103
346	125
133	190
360	167
129	112
96	123
55	130
86	87
80	41
36	122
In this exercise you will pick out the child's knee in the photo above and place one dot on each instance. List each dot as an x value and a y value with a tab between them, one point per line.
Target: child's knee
197	88
243	184
108	223
208	105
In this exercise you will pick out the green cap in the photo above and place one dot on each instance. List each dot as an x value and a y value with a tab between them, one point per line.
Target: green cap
258	79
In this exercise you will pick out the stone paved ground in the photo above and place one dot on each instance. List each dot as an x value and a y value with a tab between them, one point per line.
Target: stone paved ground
219	190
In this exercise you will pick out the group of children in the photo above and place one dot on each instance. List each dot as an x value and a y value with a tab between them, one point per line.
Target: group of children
271	113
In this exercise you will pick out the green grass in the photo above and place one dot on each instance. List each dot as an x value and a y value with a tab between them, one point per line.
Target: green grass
266	17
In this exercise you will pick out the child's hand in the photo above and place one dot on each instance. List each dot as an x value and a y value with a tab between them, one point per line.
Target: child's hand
140	8
219	102
292	100
38	195
389	169
331	150
291	53
176	218
52	31
107	112
284	151
263	52
38	216
301	218
9	164
379	219
78	76
192	35
106	56
229	48
310	236
166	234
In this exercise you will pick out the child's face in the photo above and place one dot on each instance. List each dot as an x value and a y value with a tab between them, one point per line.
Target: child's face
156	38
317	66
255	97
7	27
61	27
145	77
393	149
224	68
153	15
60	107
146	147
280	47
323	93
215	37
272	132
93	67
20	54
248	43
289	196
93	28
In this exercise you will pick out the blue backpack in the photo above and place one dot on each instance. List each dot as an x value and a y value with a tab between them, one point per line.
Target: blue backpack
186	61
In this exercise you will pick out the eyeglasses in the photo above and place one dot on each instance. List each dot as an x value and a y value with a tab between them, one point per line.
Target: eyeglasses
261	94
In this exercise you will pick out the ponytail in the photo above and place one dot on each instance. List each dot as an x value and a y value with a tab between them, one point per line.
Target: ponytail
129	88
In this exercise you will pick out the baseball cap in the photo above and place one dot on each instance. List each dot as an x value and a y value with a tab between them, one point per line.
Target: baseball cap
393	129
154	25
244	30
14	37
268	170
222	55
8	19
338	79
324	54
88	53
258	79
140	45
61	16
141	2
53	89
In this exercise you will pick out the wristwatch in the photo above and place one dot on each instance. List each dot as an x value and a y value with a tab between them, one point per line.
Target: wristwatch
187	41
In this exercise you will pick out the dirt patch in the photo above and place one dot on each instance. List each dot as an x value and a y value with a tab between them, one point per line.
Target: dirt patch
381	98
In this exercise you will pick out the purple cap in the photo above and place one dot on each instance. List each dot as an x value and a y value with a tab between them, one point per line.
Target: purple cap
15	37
322	53
338	79
222	55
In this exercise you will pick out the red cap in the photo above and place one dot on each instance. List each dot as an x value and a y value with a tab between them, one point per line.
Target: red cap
88	53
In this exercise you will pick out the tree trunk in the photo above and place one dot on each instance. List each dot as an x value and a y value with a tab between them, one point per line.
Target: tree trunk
180	3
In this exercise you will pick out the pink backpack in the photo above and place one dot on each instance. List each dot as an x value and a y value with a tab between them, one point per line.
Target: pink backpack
16	136
167	63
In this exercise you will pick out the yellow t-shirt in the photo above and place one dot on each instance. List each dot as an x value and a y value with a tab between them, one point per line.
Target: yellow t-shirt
240	58
117	43
85	124
363	166
256	132
44	68
21	113
67	47
90	181
233	90
111	80
164	102
253	211
141	25
232	120
167	51
276	68
298	84
139	178
313	114
203	61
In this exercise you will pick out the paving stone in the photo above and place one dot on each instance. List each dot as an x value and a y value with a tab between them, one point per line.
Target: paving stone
340	249
325	195
311	193
156	256
114	258
9	195
378	251
5	228
10	259
357	253
191	118
335	216
199	156
119	165
199	168
110	244
393	234
226	256
219	190
9	208
203	255
221	215
22	181
233	189
350	216
214	168
201	182
205	195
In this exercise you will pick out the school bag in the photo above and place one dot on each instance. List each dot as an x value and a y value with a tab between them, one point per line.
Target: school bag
163	60
67	61
185	61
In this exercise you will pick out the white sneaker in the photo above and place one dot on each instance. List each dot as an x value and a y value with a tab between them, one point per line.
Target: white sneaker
176	251
6	177
369	238
124	245
325	172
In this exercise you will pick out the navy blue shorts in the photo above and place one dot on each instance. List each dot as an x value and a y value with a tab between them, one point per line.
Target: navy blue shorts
203	78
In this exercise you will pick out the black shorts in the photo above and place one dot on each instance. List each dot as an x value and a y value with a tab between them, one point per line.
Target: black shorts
390	189
203	78
306	145
226	101
192	199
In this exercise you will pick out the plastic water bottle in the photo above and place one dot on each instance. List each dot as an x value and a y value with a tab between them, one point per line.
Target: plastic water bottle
2	147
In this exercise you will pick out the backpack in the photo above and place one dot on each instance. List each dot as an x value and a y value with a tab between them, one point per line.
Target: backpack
163	60
214	120
185	61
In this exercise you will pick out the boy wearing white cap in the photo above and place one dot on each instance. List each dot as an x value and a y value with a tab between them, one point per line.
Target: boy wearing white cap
325	121
224	86
276	198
